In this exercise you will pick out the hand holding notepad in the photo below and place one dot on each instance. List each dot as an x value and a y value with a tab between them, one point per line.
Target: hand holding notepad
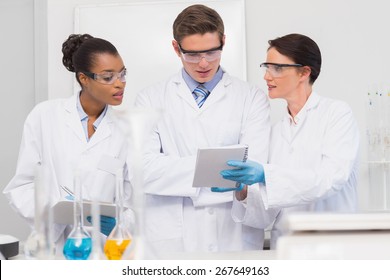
63	211
248	173
211	161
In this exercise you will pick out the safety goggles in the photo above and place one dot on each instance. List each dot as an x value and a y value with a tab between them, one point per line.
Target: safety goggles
276	69
108	78
196	56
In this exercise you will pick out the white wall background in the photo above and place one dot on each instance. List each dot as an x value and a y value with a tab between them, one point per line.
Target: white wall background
145	50
354	37
17	96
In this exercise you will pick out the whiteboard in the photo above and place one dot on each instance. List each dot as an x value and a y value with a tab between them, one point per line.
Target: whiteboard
142	33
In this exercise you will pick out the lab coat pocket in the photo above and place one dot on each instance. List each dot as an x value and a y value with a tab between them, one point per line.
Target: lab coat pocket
99	183
110	164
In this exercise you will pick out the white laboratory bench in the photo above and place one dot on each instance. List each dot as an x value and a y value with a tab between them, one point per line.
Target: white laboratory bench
242	255
364	236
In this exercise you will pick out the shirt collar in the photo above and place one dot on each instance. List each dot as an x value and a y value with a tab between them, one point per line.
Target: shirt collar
84	117
210	85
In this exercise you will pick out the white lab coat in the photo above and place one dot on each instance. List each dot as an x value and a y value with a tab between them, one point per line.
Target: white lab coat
314	168
178	217
53	136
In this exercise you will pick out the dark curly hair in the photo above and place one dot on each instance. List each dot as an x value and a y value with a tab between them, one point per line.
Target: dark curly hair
79	52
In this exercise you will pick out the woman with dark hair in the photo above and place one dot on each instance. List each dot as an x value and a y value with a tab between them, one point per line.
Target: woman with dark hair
313	149
77	132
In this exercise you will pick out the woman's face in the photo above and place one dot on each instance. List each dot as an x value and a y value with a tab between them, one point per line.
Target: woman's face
109	83
282	82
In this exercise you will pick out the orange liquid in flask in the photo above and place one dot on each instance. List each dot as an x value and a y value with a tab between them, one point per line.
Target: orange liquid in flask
114	248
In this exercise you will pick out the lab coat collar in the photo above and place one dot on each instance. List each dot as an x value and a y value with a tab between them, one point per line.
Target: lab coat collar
219	91
311	103
184	92
72	118
104	129
73	122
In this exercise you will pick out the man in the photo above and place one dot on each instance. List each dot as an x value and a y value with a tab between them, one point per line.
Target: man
223	111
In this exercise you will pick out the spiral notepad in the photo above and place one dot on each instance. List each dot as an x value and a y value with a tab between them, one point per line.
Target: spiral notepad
211	161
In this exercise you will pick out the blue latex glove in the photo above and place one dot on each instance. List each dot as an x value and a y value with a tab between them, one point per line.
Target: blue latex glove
218	189
106	224
248	172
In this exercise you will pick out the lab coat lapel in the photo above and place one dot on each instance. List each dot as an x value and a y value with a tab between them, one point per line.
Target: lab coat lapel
220	90
72	118
286	129
311	103
183	91
104	129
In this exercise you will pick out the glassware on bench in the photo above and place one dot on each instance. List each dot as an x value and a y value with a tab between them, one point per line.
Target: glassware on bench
120	238
39	244
78	244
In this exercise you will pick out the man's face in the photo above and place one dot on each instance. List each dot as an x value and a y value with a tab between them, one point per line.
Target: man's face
200	55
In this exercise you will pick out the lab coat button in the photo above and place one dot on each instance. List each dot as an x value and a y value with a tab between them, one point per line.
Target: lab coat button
211	247
291	150
211	211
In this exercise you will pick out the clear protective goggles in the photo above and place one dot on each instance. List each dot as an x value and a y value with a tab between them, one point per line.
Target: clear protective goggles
108	78
276	69
196	56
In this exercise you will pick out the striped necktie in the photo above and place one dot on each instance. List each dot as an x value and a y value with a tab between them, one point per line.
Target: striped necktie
200	94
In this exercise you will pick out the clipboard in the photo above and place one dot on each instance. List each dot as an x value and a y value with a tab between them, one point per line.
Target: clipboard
63	211
211	161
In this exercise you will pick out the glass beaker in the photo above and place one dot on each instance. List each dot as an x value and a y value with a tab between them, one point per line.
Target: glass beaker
78	245
119	238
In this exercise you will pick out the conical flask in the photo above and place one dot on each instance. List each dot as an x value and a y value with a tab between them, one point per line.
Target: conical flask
78	245
137	125
39	243
120	237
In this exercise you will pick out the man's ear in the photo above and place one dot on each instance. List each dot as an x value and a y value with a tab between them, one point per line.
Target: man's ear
175	46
